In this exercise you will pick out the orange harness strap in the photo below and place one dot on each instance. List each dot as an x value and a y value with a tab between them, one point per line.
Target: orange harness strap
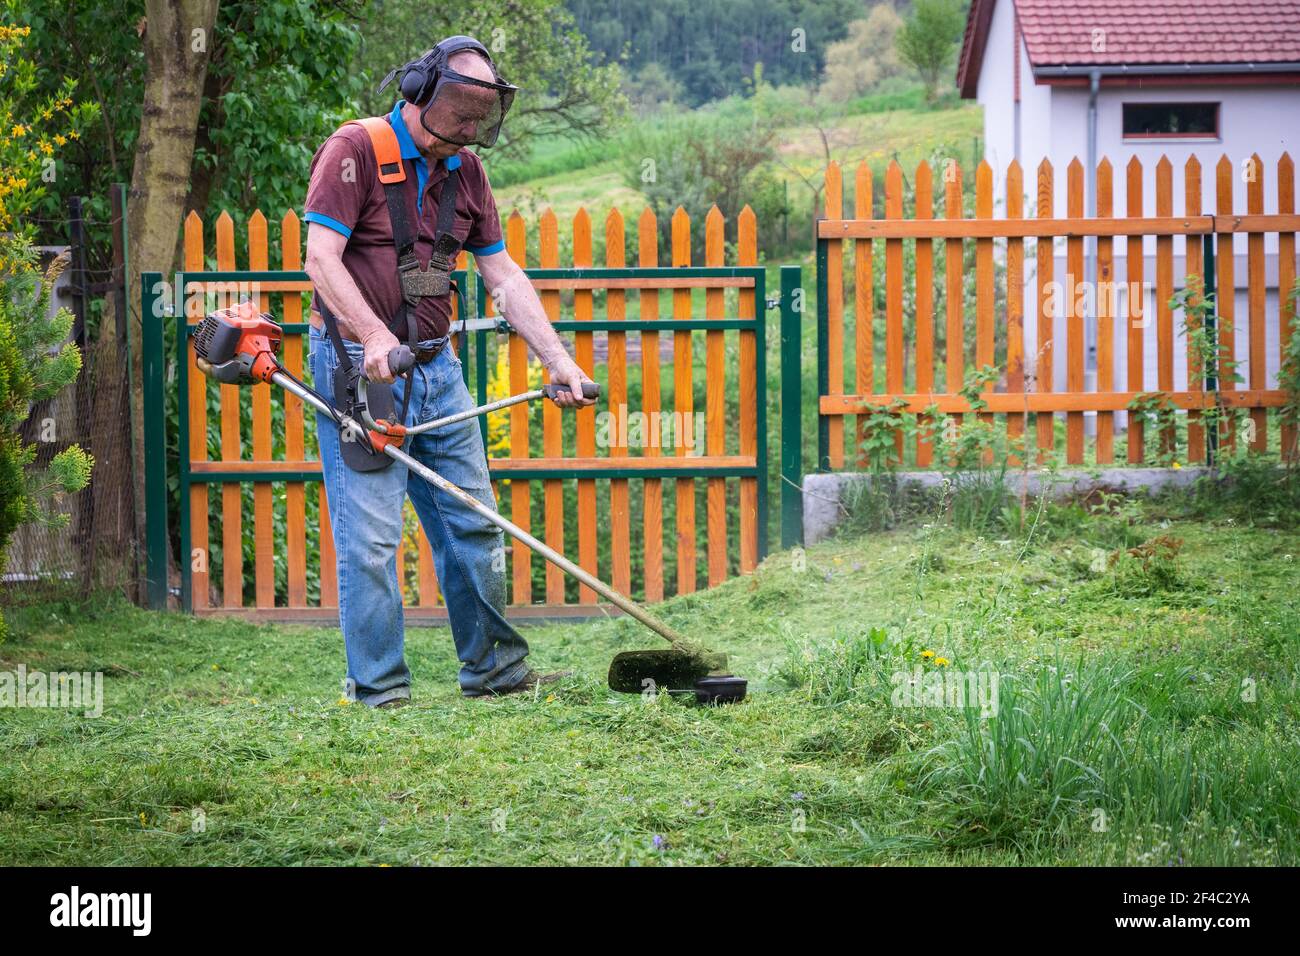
383	140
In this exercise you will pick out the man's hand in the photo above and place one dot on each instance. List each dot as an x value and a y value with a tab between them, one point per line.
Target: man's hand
565	371
377	345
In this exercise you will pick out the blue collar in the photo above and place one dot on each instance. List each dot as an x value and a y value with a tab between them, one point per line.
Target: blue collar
407	145
404	141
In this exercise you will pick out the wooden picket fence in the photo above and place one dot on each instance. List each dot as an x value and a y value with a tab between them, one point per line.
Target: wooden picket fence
732	460
1000	339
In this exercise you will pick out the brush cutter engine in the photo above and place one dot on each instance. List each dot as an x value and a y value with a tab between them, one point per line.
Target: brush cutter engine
237	346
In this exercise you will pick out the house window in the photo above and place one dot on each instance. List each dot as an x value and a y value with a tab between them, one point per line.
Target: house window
1157	120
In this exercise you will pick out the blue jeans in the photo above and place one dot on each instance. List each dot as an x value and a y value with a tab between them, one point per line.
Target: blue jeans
365	511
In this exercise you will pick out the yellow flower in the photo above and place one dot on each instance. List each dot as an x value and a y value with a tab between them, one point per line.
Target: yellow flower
60	139
73	134
926	655
941	662
1177	466
19	130
47	149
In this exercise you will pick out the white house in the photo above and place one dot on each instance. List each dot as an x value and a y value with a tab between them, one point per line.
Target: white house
1060	79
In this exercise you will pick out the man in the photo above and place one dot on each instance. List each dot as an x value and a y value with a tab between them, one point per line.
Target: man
451	97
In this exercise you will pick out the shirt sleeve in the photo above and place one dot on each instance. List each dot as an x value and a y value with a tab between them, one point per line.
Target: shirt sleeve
337	191
484	237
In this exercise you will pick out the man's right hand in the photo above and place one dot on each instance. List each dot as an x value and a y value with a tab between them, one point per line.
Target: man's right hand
377	345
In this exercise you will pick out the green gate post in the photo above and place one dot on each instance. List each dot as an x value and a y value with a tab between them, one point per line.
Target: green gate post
791	406
823	358
1211	371
155	439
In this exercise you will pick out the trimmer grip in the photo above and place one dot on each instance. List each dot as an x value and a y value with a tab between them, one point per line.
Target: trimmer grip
589	390
401	360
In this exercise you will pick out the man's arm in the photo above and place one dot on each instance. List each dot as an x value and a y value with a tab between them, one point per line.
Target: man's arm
335	285
516	299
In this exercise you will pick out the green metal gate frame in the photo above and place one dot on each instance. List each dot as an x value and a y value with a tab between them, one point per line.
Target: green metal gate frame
156	309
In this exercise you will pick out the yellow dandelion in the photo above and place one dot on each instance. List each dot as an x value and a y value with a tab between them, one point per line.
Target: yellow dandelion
941	662
1177	466
927	655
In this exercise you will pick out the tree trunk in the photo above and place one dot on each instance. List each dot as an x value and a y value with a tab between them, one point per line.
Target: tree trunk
178	41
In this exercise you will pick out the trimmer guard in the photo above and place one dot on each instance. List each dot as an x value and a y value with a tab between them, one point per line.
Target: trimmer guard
358	452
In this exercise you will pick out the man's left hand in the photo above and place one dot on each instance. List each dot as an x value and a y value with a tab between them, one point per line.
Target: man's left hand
565	371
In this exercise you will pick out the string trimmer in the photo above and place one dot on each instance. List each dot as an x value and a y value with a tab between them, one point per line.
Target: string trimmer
240	347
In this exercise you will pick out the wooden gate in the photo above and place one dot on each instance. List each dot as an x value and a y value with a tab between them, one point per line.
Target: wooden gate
588	485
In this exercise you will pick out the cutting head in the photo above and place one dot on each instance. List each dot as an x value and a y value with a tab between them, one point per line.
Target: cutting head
636	672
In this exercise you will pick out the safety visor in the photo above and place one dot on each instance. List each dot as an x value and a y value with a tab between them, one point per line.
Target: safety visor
466	111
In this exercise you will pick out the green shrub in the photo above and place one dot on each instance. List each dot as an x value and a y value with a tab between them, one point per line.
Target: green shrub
36	360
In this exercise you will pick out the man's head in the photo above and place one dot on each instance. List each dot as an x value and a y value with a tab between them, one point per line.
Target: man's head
454	97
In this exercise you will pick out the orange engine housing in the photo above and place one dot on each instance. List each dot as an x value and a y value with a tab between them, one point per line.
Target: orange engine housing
238	345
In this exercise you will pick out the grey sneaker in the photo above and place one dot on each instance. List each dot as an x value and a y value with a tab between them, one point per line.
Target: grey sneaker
530	680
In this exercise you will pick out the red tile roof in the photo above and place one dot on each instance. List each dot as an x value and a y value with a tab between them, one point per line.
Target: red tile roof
1140	32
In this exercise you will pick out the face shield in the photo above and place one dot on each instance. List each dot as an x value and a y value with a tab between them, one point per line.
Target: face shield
466	111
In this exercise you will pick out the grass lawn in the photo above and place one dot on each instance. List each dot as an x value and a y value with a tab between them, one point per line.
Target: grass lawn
1144	715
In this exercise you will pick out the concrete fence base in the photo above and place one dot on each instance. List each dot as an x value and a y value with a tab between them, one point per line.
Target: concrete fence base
825	496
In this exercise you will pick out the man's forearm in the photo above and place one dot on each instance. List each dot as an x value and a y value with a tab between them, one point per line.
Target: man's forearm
517	300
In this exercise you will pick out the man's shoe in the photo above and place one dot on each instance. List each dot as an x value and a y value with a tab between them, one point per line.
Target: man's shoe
530	680
393	704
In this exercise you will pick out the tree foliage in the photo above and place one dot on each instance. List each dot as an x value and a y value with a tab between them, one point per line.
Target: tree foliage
36	359
278	83
928	40
866	57
701	159
566	87
712	46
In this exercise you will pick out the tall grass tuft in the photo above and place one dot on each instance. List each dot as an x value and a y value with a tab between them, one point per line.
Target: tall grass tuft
1041	761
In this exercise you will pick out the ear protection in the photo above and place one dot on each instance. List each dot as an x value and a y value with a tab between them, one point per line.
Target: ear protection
420	77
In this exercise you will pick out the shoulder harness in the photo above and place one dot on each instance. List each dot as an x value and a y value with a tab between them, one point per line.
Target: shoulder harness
416	283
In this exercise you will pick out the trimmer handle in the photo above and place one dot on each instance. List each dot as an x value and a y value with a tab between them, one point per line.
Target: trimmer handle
401	360
589	390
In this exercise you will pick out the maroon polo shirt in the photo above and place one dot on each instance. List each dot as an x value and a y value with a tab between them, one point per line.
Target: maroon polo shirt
345	195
